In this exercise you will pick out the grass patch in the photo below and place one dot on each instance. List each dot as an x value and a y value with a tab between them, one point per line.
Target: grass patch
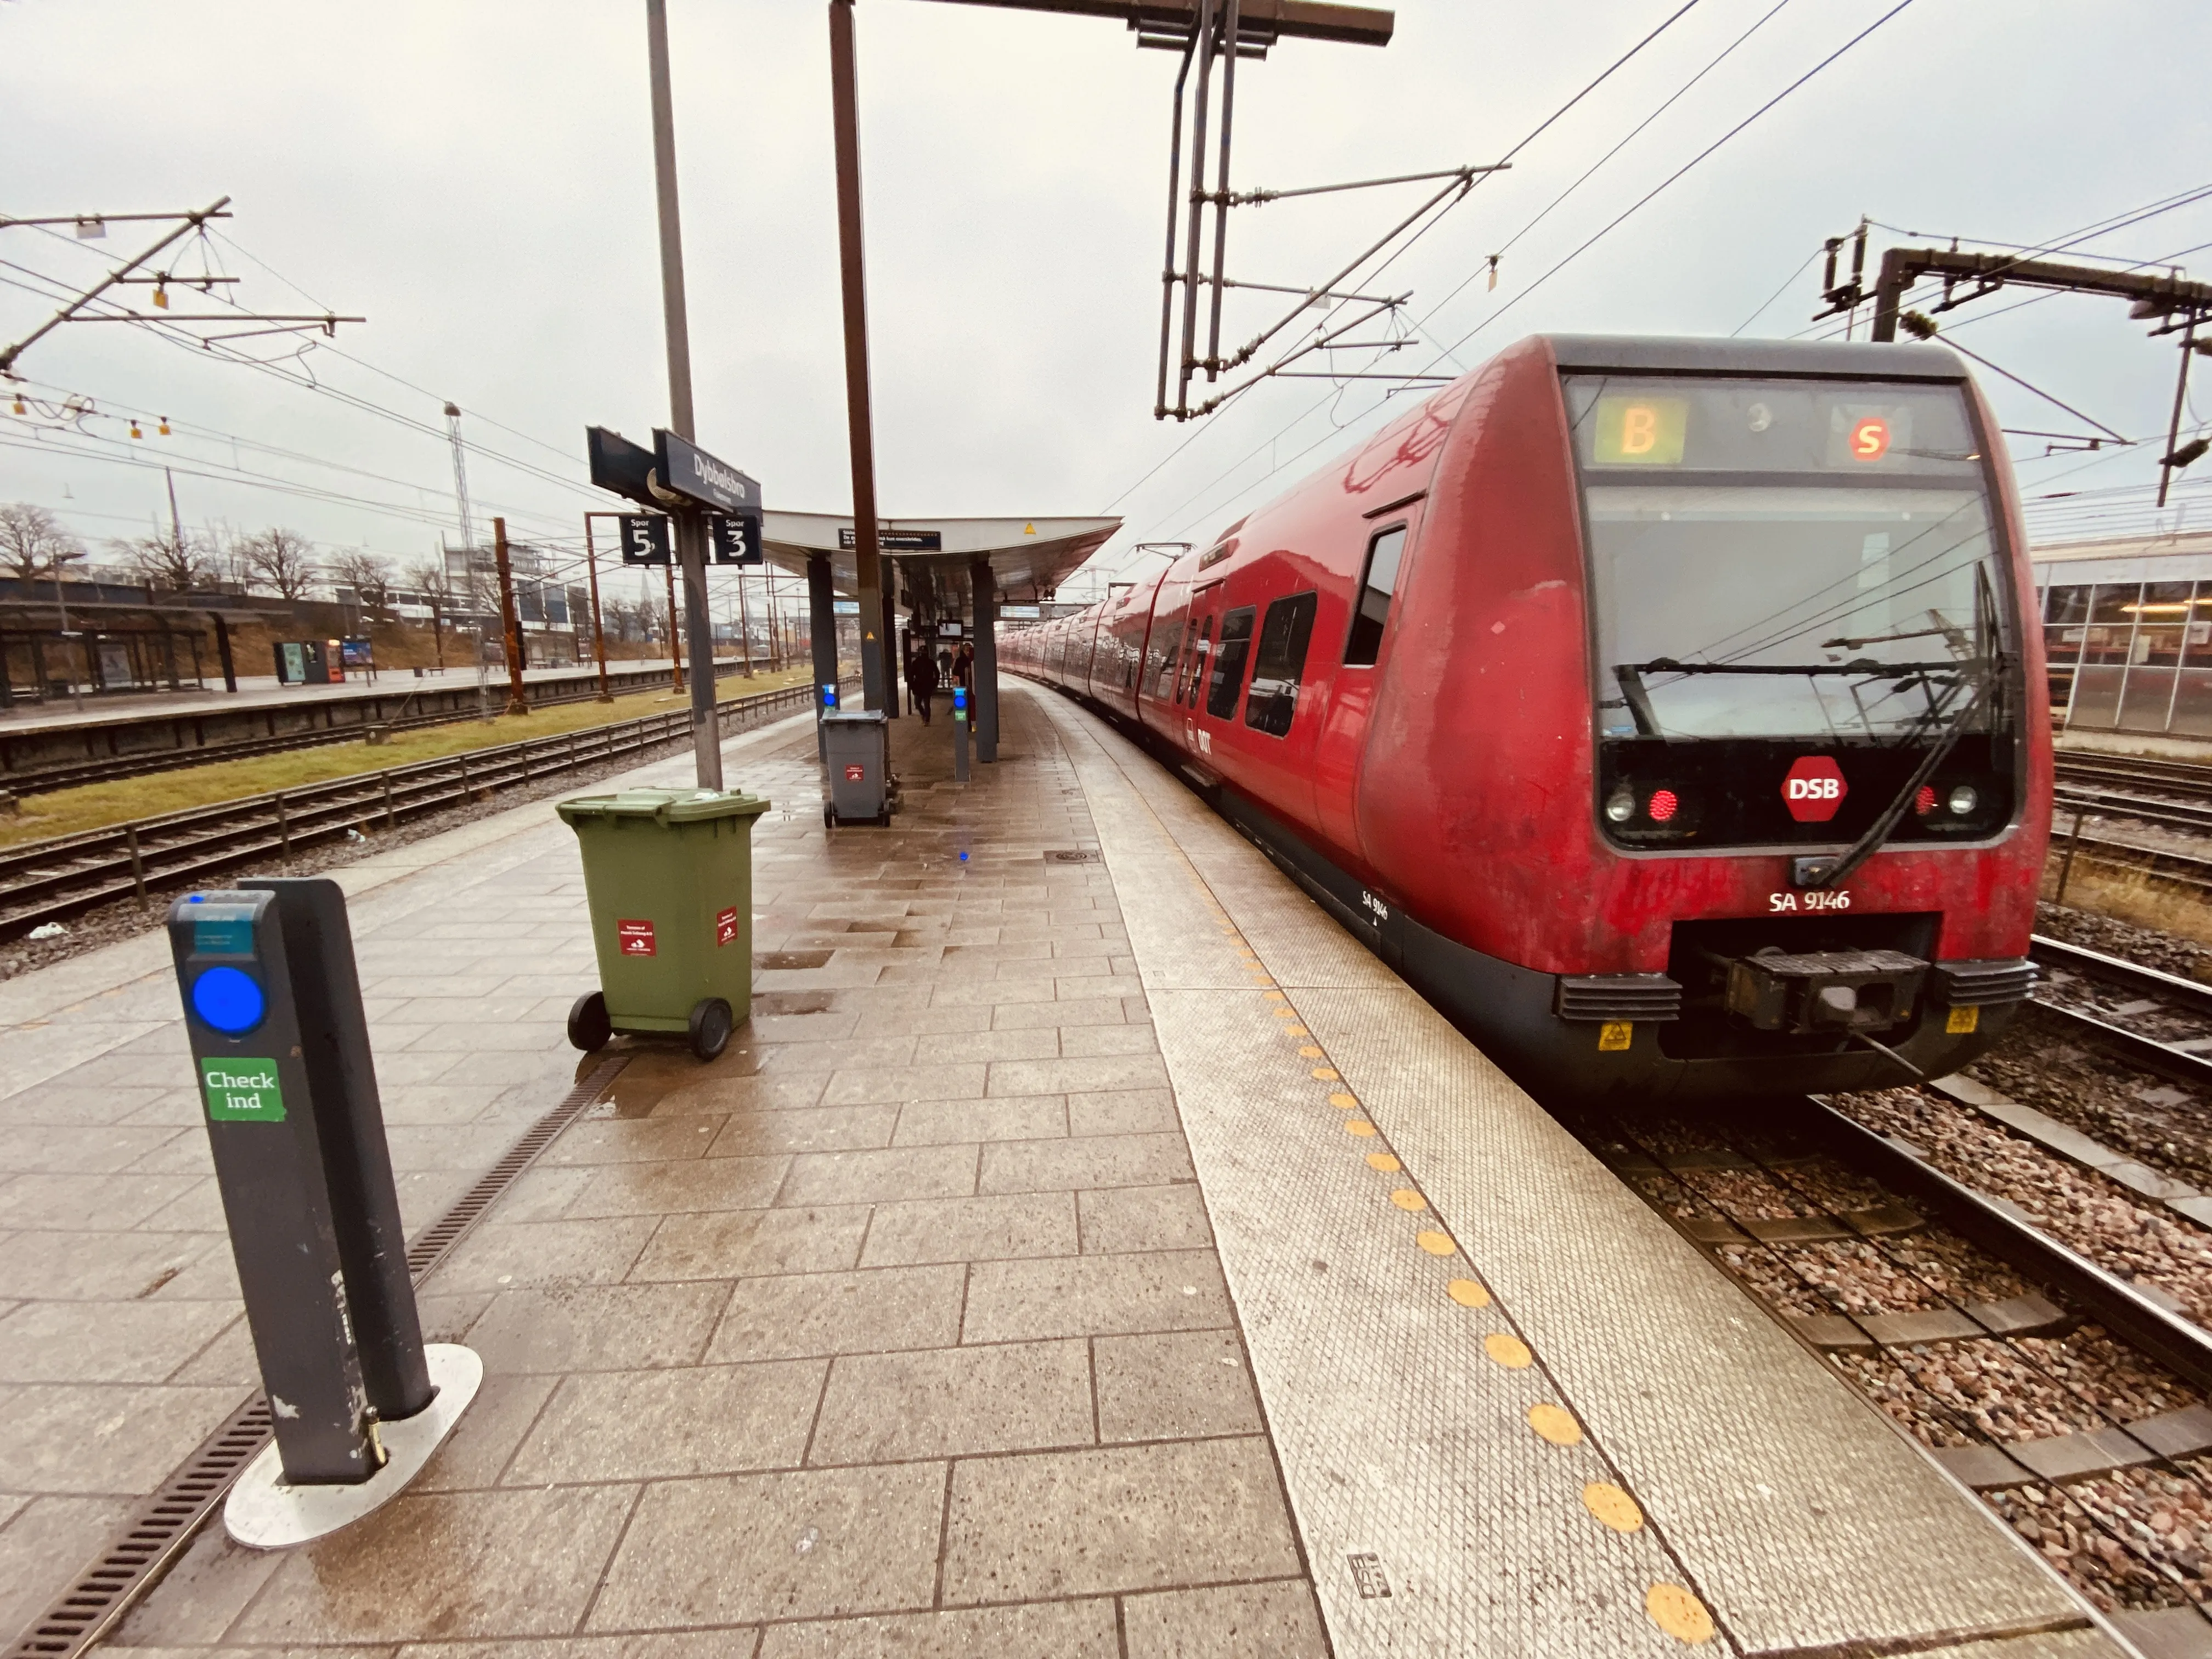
95	805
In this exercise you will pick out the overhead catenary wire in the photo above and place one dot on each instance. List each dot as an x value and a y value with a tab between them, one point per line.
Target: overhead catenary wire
1528	138
1450	351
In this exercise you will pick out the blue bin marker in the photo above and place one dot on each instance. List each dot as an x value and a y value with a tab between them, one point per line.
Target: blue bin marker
230	999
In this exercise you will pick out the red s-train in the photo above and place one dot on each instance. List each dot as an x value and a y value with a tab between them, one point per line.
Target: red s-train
1670	713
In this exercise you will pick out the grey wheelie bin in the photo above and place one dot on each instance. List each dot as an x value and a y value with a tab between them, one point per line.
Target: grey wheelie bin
669	873
856	753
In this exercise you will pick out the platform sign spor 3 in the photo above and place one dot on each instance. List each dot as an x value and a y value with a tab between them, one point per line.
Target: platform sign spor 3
1813	788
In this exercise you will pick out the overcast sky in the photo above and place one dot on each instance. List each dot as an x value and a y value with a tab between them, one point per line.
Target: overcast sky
477	181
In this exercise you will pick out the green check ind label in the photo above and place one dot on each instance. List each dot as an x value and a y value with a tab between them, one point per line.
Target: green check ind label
242	1091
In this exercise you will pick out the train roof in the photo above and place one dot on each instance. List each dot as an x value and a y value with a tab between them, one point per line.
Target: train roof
1842	359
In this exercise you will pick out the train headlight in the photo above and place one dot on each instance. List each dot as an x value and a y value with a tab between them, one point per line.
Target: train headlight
1962	799
1620	806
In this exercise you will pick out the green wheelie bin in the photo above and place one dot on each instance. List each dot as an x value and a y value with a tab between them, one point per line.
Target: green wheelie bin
669	873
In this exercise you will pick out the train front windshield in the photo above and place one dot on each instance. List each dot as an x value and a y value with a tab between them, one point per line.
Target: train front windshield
1811	561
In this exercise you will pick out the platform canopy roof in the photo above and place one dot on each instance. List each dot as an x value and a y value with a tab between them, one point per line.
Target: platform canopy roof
1030	557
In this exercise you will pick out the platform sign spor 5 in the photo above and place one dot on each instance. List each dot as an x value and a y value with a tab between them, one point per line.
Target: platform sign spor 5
1813	788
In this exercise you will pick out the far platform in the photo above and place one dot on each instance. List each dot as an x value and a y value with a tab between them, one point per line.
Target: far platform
1086	1250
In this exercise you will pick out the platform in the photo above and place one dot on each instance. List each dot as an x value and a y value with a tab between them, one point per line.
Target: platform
1085	1250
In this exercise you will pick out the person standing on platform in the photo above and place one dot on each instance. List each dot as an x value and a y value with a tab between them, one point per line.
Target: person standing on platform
913	653
921	682
963	669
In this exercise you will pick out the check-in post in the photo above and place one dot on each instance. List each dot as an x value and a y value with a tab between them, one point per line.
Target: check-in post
960	734
288	1091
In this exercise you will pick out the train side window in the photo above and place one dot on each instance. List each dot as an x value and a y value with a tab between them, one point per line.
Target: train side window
1279	664
1376	587
1194	663
1228	677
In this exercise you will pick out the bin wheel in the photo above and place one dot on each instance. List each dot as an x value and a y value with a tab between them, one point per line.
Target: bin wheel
589	1028
711	1025
828	817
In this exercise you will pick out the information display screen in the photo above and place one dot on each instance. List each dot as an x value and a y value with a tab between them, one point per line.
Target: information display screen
1867	430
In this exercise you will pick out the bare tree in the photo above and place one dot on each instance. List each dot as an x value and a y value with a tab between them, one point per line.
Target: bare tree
369	575
181	563
33	542
278	558
427	579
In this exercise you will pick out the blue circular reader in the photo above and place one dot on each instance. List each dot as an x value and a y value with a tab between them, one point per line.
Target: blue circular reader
230	999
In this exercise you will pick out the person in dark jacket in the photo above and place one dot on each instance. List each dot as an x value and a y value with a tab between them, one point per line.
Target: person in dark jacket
921	681
963	669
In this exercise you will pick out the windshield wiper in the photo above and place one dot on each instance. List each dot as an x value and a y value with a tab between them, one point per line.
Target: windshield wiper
1990	679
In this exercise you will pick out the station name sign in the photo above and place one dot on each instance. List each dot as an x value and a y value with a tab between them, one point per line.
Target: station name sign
687	470
894	541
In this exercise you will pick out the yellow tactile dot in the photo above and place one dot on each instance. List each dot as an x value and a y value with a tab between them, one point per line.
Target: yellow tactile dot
1508	1350
1327	1074
1679	1612
1343	1101
1612	1505
1467	1293
1436	1244
1296	1031
1284	1013
1556	1423
1276	996
1310	1051
1406	1198
1358	1125
1383	1162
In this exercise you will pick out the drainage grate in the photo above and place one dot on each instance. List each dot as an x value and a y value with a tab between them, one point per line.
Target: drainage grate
1073	855
150	1541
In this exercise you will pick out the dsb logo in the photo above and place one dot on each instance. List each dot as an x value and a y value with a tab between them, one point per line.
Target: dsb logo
1813	788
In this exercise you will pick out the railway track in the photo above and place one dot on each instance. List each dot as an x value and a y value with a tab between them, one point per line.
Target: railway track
1964	1321
2167	1000
52	880
38	781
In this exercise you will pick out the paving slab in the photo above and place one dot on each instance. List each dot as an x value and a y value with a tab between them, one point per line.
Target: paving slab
897	1330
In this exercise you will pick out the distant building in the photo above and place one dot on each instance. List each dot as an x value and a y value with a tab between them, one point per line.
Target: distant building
2127	632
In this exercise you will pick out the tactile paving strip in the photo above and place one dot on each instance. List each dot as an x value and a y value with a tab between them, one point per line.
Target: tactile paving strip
1770	1512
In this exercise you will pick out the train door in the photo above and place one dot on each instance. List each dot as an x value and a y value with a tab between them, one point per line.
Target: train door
1197	665
1362	654
1276	730
1157	680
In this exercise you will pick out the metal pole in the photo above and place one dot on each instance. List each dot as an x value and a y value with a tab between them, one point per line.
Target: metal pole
1168	274
744	626
2066	869
599	633
983	589
516	703
2180	393
1195	232
223	651
1221	187
690	528
876	692
822	616
675	653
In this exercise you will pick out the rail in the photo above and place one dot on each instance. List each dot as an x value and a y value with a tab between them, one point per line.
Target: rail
2133	1046
2183	1347
70	774
65	876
